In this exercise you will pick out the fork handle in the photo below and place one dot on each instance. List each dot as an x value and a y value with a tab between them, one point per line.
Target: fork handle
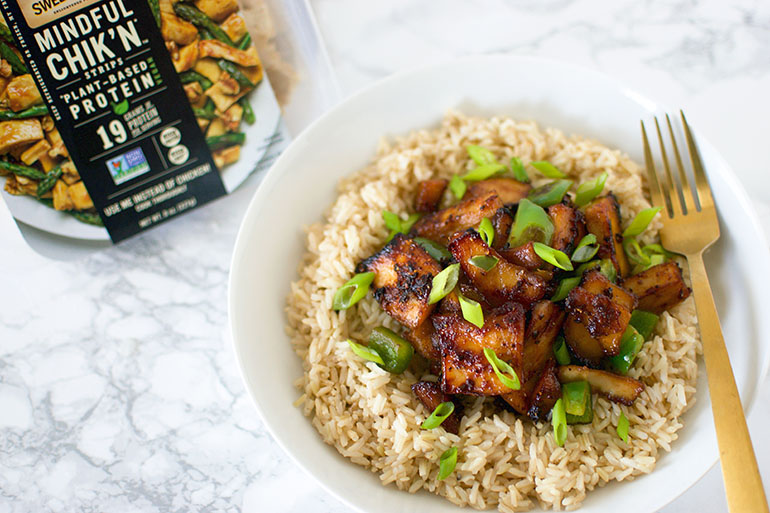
743	484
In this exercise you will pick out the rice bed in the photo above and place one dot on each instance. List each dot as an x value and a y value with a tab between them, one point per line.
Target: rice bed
504	461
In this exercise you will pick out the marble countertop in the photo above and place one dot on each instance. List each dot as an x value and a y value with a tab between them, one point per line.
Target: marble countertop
118	386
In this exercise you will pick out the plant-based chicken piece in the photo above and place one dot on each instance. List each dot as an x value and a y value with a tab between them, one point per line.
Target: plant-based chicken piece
509	191
403	278
619	389
421	339
465	368
429	193
658	288
503	281
430	395
17	133
603	220
545	323
524	256
440	226
568	227
603	319
501	222
546	392
595	282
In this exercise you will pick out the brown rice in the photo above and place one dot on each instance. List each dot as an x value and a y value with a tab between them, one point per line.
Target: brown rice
504	461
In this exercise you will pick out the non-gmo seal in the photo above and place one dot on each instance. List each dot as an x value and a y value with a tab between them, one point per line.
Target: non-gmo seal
178	154
171	136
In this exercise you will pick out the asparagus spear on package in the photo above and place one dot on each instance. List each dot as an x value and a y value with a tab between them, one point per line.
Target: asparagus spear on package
117	115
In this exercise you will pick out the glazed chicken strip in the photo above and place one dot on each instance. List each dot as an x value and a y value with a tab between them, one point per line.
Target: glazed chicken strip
603	220
441	225
509	191
569	227
619	389
430	395
658	288
502	283
429	194
403	278
465	369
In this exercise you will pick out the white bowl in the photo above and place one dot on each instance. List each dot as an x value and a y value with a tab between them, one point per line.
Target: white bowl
301	185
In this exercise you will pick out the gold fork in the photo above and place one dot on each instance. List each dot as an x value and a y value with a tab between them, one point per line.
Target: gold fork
689	227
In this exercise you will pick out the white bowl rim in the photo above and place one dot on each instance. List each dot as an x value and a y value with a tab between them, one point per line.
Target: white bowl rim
273	174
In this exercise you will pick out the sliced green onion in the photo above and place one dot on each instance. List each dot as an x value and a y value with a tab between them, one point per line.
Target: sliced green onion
447	463
588	414
623	427
483	172
640	222
444	283
487	231
560	351
530	224
484	262
547	169
365	353
434	249
630	344
576	394
439	415
635	253
605	266
518	170
564	287
353	291
652	249
586	249
394	223
481	155
552	256
550	193
472	311
589	190
457	186
504	372
559	423
395	352
644	322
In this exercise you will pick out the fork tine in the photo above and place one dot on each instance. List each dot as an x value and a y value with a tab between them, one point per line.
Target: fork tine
686	191
704	197
656	195
670	193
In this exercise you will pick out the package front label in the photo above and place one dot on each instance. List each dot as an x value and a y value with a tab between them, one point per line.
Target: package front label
112	91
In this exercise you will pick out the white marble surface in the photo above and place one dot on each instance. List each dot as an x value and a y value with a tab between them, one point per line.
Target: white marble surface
118	387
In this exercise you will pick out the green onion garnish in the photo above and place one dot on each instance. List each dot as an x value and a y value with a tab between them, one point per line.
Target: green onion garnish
444	283
623	427
517	168
630	344
434	249
635	253
484	262
365	353
480	155
457	186
487	231
550	193
576	394
552	256
439	415
652	249
504	372
395	352
564	287
640	222
559	423
644	322
353	291
560	351
547	169
447	463
586	249
394	223
483	172
589	190
530	224
472	311
605	266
